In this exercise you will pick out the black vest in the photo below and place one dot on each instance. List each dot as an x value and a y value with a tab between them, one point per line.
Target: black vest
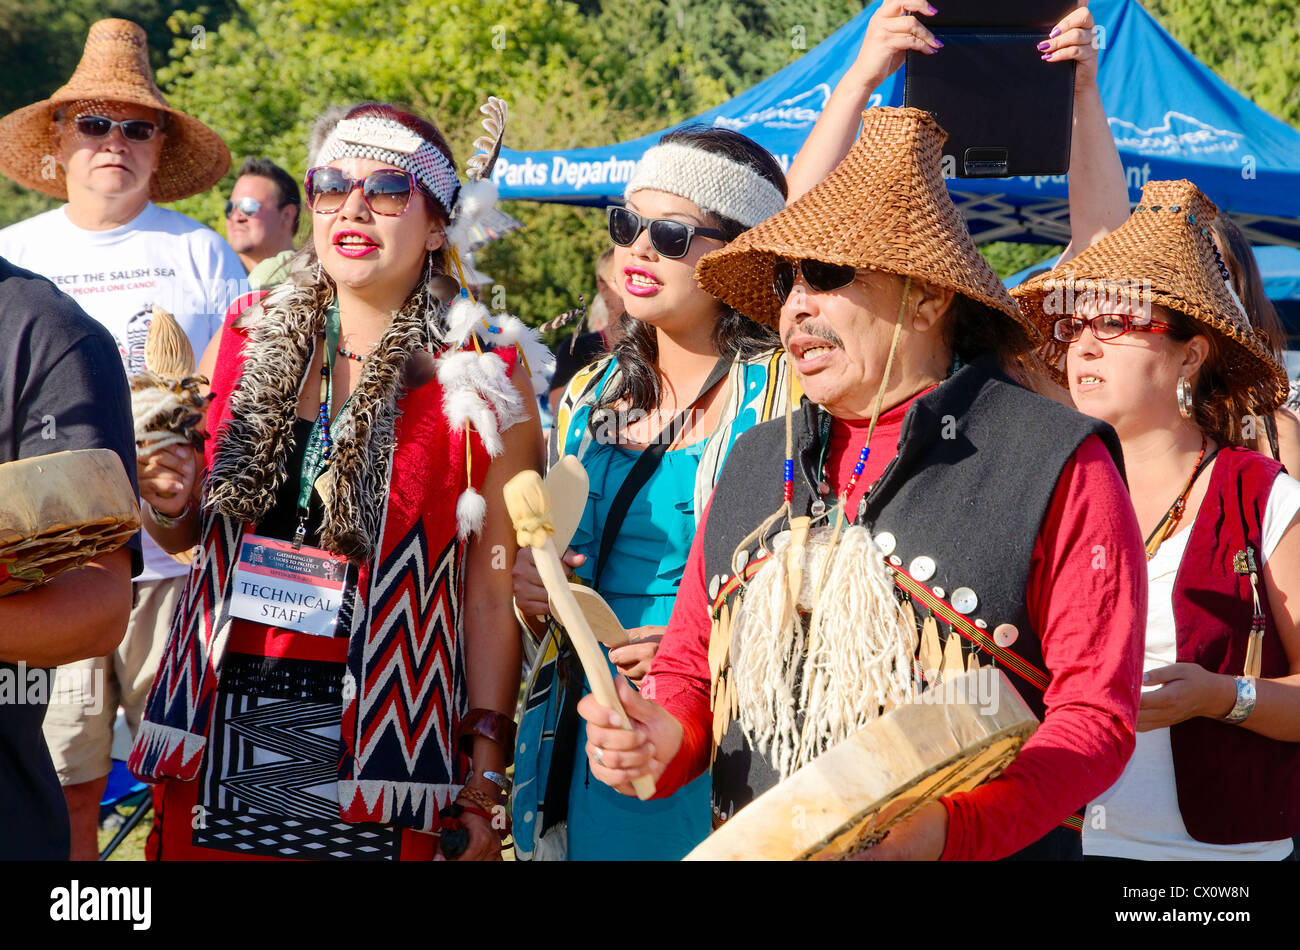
978	461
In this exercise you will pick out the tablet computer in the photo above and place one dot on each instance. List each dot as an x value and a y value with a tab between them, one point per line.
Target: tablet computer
1006	112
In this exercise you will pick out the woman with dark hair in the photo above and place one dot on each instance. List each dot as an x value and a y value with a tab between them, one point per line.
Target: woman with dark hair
339	679
1280	437
652	424
1155	343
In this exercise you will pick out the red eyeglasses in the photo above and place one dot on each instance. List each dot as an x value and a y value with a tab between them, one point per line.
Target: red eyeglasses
1104	326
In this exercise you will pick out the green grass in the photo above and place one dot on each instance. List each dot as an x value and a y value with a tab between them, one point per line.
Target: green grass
131	849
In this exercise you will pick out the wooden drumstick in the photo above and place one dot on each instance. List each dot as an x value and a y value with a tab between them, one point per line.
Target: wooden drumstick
530	510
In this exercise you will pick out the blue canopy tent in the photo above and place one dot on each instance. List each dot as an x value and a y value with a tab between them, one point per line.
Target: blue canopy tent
1187	123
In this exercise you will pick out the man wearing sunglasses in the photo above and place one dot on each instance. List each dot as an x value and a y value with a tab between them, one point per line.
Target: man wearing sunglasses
999	514
262	218
109	145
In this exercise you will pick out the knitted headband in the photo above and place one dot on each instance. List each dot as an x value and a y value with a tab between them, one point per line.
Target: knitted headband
715	183
385	140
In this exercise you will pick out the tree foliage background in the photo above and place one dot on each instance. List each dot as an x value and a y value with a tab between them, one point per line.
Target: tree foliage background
574	73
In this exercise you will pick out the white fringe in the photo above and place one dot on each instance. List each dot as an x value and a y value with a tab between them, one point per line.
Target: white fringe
859	658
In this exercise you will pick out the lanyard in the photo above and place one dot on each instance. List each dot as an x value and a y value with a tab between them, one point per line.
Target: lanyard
320	442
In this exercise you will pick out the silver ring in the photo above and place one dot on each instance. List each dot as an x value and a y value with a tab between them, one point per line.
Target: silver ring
599	756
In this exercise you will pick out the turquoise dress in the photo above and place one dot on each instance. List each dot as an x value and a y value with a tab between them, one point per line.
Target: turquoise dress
640	584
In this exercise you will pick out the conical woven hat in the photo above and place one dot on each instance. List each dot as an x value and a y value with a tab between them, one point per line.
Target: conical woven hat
1165	254
113	68
885	207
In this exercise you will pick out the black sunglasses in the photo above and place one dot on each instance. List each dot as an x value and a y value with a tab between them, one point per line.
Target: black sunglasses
97	126
669	238
820	277
386	191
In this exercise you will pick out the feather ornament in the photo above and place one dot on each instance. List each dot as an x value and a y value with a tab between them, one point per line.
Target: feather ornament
488	147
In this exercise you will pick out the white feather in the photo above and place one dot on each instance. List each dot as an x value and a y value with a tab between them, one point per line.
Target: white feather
463	319
485	424
454	368
461	404
512	329
476	199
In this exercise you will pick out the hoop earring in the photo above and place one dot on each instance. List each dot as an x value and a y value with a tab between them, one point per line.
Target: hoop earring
1184	392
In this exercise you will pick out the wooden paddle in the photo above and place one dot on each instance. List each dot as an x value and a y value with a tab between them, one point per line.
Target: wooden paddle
600	616
530	510
567	485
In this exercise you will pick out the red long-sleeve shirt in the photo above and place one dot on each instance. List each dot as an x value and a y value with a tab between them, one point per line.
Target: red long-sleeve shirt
1086	596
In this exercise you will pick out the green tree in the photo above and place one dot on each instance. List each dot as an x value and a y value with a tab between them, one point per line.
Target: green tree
261	79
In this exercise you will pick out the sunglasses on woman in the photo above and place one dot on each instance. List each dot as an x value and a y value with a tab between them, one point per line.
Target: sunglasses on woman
820	277
248	206
669	238
386	191
97	126
1104	326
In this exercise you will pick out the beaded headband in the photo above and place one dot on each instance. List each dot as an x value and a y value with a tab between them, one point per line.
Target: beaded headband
384	140
715	183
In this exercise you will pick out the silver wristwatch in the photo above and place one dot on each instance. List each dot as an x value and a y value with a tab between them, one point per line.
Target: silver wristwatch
1245	700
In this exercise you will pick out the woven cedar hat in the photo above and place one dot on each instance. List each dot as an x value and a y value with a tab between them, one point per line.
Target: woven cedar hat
113	68
1165	254
885	207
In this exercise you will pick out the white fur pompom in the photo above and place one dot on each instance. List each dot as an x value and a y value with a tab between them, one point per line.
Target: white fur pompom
463	317
471	508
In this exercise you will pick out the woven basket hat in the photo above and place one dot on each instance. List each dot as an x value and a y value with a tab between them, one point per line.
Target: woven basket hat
884	207
1164	254
113	68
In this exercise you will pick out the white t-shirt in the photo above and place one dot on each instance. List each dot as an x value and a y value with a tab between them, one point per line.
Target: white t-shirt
160	257
1139	813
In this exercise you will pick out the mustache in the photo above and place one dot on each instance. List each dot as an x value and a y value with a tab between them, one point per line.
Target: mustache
813	329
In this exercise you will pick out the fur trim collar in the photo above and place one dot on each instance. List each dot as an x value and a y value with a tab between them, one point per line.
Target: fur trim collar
251	457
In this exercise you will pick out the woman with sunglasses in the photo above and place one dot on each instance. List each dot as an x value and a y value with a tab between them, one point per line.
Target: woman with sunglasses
1155	342
652	425
341	673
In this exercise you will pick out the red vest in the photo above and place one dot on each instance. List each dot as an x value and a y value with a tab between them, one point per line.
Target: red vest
1234	785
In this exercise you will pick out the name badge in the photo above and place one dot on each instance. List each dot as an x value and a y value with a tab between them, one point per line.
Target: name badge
297	590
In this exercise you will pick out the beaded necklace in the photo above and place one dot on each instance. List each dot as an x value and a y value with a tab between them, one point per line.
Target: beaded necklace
1175	513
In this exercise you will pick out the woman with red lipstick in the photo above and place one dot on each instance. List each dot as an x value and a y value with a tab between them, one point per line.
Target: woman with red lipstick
341	673
686	378
1156	343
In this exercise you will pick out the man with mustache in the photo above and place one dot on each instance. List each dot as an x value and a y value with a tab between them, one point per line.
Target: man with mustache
1007	508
